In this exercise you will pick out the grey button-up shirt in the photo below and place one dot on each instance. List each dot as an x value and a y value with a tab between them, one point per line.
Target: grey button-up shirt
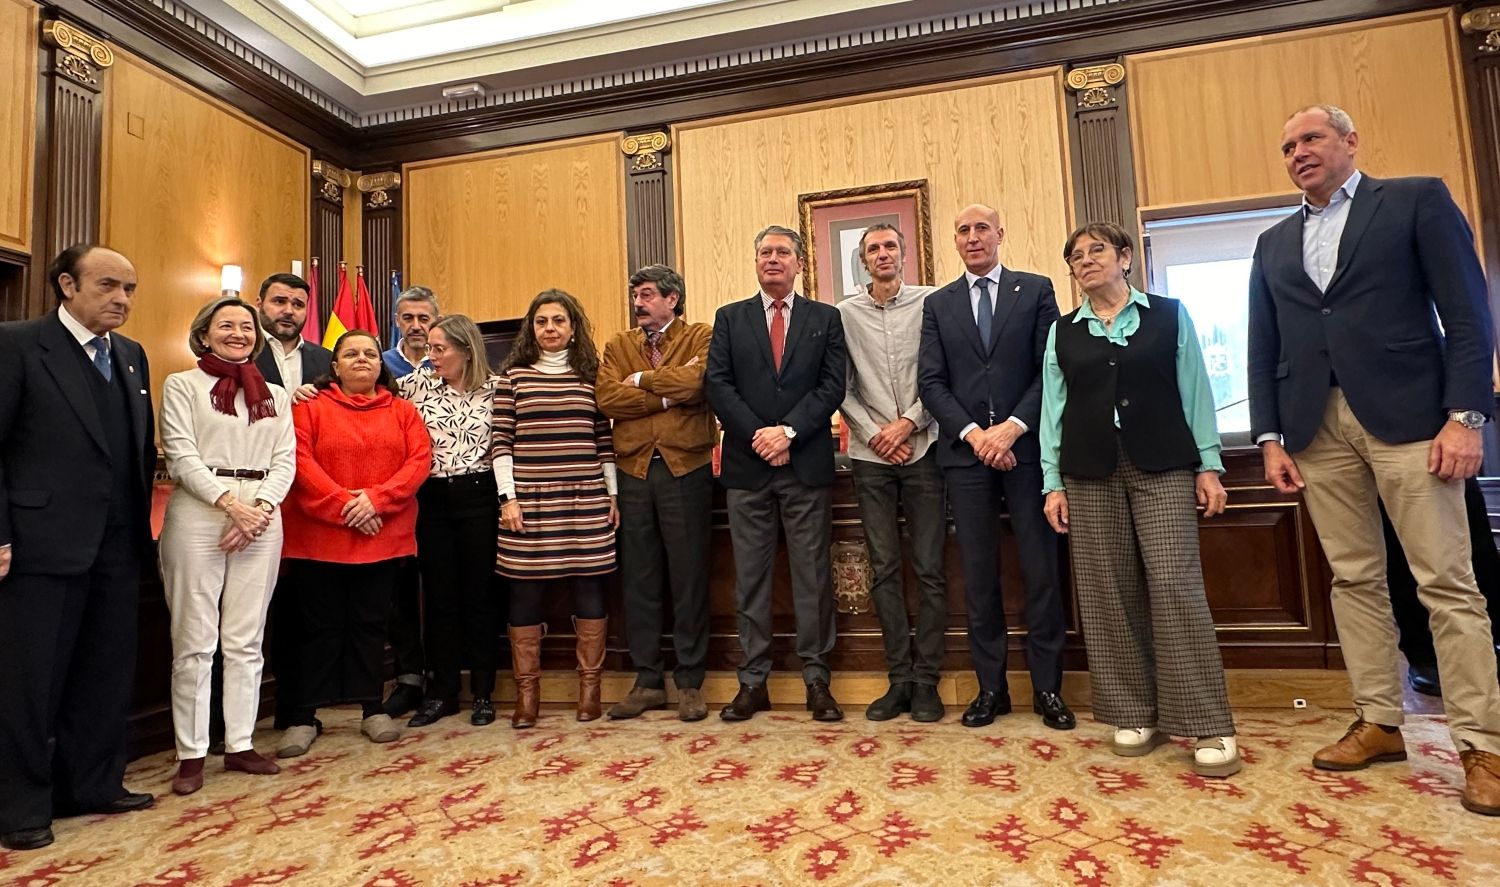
882	382
1322	229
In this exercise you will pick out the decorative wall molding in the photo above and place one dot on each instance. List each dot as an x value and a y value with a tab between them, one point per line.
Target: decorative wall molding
1095	84
79	55
69	170
648	199
647	149
331	182
377	188
1103	175
1484	21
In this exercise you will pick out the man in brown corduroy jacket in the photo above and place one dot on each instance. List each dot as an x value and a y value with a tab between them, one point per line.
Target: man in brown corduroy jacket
651	385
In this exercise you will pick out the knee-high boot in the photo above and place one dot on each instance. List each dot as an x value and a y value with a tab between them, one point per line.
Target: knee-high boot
590	665
526	665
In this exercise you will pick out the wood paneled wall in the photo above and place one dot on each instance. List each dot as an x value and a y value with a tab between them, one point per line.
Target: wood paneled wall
1206	120
18	64
1000	141
189	186
487	232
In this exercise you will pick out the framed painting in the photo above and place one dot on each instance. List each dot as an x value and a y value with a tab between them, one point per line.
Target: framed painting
833	222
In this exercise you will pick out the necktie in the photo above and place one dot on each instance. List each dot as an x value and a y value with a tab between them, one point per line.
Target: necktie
653	349
778	331
986	311
101	358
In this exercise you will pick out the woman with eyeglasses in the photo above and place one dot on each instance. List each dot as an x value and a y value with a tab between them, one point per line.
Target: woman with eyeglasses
459	510
1129	448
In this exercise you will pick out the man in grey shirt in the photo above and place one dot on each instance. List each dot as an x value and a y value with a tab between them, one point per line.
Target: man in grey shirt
890	438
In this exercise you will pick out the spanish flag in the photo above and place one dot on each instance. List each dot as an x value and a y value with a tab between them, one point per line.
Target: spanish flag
352	309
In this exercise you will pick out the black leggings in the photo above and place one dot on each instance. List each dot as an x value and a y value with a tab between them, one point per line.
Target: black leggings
529	597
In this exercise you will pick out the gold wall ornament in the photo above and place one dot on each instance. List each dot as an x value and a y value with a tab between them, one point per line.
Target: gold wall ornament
1095	84
332	181
647	149
1484	20
378	187
79	56
378	199
851	577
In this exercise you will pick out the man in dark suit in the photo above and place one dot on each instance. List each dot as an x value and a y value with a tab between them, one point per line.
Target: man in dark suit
77	454
774	382
294	363
983	337
1349	371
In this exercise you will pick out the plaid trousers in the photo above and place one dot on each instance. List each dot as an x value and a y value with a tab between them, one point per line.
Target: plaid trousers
1153	655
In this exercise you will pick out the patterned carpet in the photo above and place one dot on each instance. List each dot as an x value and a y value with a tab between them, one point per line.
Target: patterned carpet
780	800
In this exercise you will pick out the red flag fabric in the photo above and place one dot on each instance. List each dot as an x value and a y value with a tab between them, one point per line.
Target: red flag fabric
342	318
312	331
364	307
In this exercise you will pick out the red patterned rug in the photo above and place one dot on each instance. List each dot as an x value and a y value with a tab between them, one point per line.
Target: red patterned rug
781	800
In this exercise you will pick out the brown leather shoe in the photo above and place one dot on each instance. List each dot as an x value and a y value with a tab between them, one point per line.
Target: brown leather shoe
1481	782
250	761
590	648
690	704
189	776
526	667
1364	744
637	702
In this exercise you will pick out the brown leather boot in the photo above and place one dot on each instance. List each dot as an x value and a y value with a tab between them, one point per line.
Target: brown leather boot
526	666
1481	782
590	665
189	777
1364	744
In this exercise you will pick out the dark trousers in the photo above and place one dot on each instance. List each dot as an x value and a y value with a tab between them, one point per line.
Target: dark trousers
664	527
344	610
405	624
977	495
456	522
68	650
284	642
807	514
918	489
1411	616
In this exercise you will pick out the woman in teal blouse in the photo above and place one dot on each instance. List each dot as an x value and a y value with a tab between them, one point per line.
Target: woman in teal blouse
1129	444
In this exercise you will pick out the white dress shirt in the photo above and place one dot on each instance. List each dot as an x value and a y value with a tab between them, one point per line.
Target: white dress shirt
994	278
1322	229
288	362
81	333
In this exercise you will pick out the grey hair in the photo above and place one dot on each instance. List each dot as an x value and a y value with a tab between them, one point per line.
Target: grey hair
420	294
1338	118
666	281
799	246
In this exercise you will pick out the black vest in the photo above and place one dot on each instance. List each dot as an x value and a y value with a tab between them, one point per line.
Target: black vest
112	400
1139	380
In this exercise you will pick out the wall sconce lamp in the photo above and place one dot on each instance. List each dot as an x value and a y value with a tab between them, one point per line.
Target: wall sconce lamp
231	278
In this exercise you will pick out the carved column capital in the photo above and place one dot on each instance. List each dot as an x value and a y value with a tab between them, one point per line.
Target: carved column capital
78	56
647	150
377	188
331	181
1095	84
1484	20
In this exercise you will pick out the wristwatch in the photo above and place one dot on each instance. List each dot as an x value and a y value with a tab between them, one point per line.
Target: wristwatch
1470	419
789	431
265	506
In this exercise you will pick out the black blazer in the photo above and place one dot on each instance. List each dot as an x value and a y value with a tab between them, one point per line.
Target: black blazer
962	381
1406	250
54	459
748	394
316	363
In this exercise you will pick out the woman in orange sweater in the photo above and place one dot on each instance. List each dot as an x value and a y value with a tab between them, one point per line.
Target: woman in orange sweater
362	453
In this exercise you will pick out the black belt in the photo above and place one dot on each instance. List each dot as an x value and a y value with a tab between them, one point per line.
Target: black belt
242	473
475	478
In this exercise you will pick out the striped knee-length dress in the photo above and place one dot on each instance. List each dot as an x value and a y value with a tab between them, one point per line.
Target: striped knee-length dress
557	441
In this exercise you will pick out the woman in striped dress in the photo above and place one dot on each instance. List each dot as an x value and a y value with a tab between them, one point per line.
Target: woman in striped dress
555	469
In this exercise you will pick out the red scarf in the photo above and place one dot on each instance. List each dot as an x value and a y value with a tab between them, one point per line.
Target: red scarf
233	377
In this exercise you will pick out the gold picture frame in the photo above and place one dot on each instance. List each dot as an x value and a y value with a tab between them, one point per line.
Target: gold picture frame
832	223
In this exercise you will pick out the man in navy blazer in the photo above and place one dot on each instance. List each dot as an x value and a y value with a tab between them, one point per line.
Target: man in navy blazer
1358	395
77	453
983	337
774	382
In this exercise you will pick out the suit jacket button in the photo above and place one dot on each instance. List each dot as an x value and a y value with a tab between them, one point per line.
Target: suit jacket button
1124	401
1111	361
1327	311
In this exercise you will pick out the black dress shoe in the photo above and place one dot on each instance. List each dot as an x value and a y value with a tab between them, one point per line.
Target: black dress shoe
484	712
895	701
1055	713
987	706
130	803
404	698
1424	679
432	711
26	838
926	707
821	703
746	703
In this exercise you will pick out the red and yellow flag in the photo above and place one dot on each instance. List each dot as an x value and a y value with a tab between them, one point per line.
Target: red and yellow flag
352	309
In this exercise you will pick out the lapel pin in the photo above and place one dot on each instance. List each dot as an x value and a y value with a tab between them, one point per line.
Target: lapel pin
130	368
1018	288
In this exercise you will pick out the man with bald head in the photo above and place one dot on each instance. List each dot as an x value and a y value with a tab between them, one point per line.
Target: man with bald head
979	370
76	456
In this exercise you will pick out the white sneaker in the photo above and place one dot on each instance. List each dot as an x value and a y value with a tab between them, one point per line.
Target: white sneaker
1133	742
296	741
1217	756
380	728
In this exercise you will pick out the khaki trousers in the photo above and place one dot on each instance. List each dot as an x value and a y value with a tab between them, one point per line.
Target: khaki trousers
1346	469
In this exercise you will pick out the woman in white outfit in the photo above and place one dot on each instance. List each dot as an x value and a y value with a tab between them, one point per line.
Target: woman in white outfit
230	446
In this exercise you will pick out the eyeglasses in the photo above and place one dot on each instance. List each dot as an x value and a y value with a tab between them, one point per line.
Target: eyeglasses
1095	252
